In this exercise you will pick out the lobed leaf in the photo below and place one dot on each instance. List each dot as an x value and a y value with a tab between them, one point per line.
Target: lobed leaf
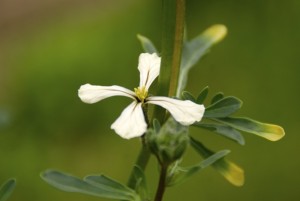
217	97
147	44
195	49
141	184
6	189
188	96
107	183
269	131
232	172
184	173
202	96
156	125
107	189
223	130
223	108
229	170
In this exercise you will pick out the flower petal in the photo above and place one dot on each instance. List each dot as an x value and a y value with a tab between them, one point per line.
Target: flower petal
185	112
131	123
92	94
149	66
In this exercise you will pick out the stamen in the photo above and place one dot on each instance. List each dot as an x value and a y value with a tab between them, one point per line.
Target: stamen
141	93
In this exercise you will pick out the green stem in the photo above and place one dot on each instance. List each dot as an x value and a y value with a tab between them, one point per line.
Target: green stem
172	37
142	161
161	183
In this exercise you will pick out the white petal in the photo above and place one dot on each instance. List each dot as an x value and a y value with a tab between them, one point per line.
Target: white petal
149	66
185	112
131	123
92	94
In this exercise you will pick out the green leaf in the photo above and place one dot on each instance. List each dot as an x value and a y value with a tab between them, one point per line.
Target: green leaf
6	189
182	174
141	184
195	49
107	183
107	189
156	125
232	172
188	96
223	130
147	45
217	97
223	108
269	131
202	96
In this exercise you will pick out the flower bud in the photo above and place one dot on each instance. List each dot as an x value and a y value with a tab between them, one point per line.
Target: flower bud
169	142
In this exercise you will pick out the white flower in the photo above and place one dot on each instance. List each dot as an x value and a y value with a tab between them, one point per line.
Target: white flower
131	123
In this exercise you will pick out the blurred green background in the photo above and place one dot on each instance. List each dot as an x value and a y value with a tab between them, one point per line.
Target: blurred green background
49	48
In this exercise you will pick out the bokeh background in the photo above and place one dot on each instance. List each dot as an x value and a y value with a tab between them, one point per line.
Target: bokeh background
49	48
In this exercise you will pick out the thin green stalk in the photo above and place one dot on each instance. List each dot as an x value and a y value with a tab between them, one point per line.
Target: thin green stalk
172	37
142	161
161	183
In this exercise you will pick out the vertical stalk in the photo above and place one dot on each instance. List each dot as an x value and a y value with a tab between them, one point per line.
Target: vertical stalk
161	183
142	161
172	37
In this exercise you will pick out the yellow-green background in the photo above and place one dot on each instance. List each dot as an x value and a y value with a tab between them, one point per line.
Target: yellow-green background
49	48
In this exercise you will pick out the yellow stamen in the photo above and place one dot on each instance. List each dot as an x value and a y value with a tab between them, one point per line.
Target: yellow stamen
141	93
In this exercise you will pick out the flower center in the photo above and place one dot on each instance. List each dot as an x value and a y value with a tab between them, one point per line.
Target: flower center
141	93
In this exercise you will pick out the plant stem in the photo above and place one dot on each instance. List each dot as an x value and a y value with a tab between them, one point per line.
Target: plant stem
142	161
161	183
172	37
